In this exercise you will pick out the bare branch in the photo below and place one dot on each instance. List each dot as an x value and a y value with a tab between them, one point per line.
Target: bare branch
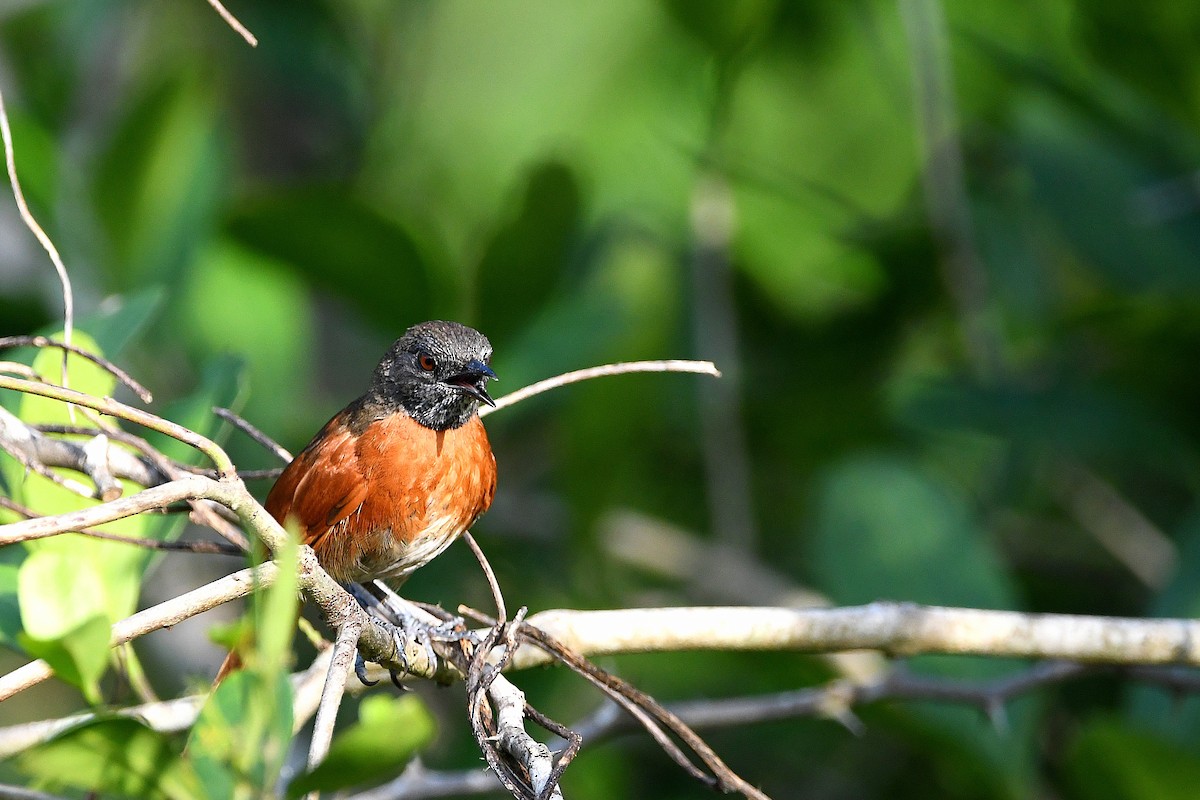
107	405
418	781
210	548
42	237
189	488
900	629
41	341
254	433
626	368
165	614
232	22
341	658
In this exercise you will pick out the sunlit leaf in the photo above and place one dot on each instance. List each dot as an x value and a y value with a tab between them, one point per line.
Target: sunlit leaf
388	733
115	757
1110	760
241	737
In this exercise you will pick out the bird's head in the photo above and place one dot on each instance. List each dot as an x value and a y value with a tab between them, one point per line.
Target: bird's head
438	372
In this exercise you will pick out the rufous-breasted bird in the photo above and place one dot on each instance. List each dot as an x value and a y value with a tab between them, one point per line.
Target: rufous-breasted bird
404	470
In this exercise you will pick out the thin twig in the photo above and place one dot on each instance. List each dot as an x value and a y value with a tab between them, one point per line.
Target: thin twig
15	368
164	494
624	368
493	584
217	548
254	433
41	341
106	405
651	714
344	649
32	224
232	22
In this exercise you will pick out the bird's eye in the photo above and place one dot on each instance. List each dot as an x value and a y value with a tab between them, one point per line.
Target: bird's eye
426	362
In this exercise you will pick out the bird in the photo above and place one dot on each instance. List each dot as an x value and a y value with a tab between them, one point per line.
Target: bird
403	470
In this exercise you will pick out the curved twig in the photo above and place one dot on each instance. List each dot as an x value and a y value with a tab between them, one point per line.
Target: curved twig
108	366
36	229
624	368
107	405
232	22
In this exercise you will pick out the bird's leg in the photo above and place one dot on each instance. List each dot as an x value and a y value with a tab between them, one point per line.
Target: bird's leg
383	608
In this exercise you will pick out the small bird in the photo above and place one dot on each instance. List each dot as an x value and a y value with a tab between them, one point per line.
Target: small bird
401	472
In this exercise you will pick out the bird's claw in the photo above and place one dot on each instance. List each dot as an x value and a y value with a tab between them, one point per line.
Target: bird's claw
360	669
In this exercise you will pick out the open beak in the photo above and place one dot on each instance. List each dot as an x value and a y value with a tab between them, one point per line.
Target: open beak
473	380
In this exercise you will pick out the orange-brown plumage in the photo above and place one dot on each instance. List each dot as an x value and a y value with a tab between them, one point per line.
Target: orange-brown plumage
380	503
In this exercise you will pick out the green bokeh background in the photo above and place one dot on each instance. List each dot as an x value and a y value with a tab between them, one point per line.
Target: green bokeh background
747	181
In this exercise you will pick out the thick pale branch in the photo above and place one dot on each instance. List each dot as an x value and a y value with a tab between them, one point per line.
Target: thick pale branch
896	628
96	458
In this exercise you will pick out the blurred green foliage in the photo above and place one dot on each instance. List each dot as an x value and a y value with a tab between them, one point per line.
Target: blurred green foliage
253	227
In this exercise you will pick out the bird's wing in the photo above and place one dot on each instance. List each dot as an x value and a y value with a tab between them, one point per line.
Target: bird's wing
318	498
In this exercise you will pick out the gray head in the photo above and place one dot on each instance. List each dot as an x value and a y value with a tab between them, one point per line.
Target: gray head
438	372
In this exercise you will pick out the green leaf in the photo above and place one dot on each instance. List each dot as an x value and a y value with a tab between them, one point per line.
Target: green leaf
61	624
119	566
241	737
389	731
78	656
276	613
527	254
10	607
886	530
116	757
56	594
1111	761
158	182
343	245
237	300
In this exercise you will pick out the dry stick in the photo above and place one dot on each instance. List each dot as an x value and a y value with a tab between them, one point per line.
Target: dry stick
232	22
493	584
138	541
831	698
107	405
72	486
254	433
108	366
624	368
164	494
32	224
486	727
331	696
648	711
24	370
163	615
898	629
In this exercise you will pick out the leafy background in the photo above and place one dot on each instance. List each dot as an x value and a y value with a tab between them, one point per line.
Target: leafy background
255	226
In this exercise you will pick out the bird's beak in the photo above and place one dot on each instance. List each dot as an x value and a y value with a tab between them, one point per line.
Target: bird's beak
473	380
